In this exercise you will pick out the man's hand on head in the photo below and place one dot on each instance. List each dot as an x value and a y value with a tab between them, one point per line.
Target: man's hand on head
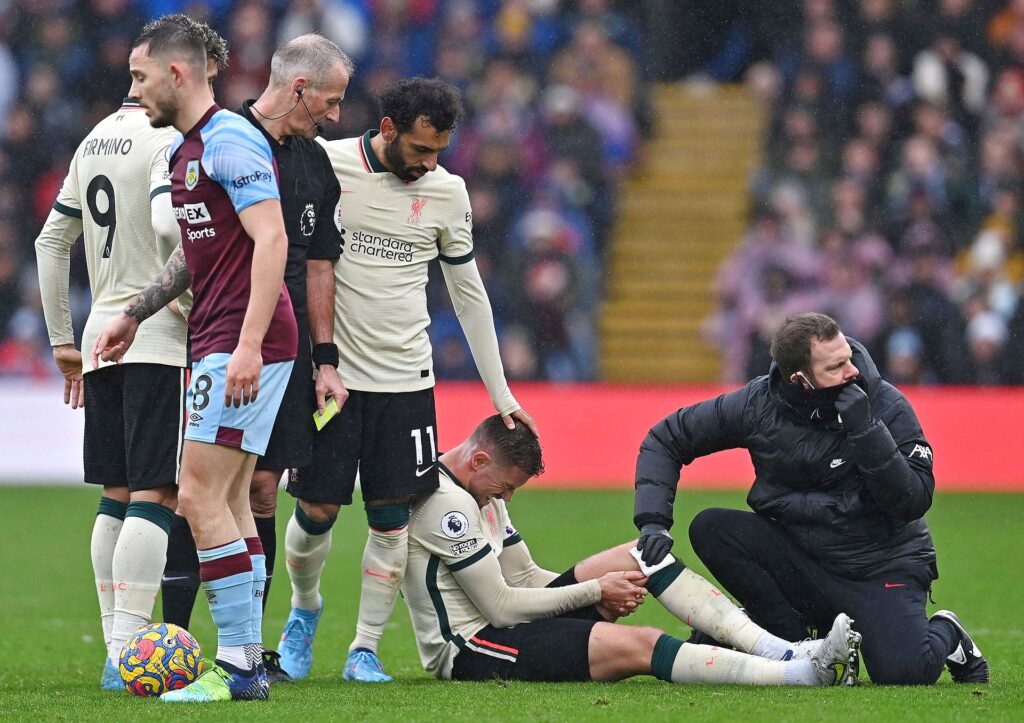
654	543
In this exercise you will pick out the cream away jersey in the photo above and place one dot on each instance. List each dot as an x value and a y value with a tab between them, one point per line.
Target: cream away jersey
118	174
468	568
391	231
449	532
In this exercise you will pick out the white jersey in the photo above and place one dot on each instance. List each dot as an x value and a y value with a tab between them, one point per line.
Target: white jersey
468	568
448	532
116	177
392	231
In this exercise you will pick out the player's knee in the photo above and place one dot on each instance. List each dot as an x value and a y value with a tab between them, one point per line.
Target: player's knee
263	493
118	494
319	512
706	529
166	496
187	503
624	650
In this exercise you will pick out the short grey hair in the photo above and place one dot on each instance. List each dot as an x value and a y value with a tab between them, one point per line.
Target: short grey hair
311	55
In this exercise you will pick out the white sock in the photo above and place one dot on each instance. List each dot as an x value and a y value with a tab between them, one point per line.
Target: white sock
233	655
707	664
773	647
701	605
105	531
139	560
383	569
305	555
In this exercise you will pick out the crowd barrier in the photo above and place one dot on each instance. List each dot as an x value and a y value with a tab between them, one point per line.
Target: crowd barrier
590	432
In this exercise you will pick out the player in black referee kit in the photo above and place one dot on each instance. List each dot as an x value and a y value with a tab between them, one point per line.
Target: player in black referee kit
308	79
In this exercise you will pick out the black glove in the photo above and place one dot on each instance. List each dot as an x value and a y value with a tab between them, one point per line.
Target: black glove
854	408
654	543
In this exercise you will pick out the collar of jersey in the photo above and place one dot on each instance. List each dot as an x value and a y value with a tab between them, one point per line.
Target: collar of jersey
449	475
246	112
201	123
369	157
131	103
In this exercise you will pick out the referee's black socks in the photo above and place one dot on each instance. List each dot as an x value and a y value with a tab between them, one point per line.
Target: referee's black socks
181	574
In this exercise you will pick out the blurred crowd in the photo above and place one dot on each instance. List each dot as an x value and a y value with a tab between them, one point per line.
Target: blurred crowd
557	105
890	189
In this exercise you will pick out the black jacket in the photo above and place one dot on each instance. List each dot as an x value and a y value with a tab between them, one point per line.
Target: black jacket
310	194
854	503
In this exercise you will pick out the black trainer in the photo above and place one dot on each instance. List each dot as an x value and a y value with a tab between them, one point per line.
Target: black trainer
966	664
275	673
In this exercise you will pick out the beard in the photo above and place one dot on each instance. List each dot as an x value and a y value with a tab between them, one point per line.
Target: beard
393	155
163	108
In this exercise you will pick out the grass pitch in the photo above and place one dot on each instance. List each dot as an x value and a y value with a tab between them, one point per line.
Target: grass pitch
51	649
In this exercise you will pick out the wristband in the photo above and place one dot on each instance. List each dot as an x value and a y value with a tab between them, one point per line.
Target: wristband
325	354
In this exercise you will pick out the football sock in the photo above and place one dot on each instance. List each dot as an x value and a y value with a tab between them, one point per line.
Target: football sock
259	581
306	544
266	528
383	567
679	662
105	530
701	605
181	575
138	564
226	572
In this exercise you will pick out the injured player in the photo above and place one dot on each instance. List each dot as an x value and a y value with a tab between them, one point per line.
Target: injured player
482	608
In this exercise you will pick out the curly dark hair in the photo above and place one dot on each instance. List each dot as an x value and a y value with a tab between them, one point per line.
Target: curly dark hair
171	35
406	100
791	345
216	46
511	447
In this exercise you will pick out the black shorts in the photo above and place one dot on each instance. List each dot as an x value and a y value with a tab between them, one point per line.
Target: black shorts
134	422
554	650
291	439
390	439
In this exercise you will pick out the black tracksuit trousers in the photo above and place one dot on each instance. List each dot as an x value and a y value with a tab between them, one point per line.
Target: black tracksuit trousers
785	591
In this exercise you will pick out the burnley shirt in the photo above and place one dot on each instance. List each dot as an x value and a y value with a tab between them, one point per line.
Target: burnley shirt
218	169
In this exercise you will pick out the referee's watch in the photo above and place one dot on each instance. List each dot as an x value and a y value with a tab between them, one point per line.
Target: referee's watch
325	354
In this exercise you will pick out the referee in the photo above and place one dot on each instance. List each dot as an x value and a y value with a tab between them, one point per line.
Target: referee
308	78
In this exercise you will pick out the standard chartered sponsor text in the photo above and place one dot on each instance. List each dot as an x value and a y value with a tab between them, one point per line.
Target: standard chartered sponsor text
384	247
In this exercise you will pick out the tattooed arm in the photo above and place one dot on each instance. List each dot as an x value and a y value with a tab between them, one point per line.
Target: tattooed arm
170	283
114	340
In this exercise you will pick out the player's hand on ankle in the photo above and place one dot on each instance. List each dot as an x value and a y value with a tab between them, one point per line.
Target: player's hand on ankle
621	592
654	543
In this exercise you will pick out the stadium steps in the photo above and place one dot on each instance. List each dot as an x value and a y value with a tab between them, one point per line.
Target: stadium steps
680	215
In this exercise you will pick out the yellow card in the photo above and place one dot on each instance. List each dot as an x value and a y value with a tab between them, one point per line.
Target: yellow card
328	414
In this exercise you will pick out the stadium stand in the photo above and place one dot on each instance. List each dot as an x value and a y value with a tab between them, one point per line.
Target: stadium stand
557	107
888	191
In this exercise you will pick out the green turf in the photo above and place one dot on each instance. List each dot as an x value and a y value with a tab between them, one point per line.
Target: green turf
51	652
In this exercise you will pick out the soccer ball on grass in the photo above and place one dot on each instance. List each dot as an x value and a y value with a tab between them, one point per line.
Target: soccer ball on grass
158	658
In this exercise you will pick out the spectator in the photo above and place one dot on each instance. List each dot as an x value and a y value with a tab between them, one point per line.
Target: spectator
343	21
947	74
986	339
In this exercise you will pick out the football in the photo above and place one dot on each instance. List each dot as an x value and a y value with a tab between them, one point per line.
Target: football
158	658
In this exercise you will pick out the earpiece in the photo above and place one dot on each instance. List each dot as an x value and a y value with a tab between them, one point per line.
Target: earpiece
300	89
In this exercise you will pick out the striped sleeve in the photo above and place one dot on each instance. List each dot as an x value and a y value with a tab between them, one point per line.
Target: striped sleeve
239	158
